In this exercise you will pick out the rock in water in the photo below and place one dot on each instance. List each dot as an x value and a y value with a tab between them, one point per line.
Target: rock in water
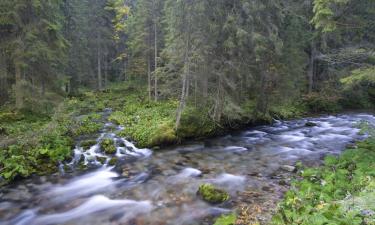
288	168
211	194
113	161
108	145
311	124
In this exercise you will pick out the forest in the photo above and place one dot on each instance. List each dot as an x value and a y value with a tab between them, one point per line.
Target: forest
93	87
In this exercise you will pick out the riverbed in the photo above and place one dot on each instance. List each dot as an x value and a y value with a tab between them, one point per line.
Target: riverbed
254	166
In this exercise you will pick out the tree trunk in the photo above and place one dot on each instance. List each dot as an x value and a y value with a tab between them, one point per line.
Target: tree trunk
125	69
100	79
205	83
311	72
262	103
18	86
3	79
219	100
156	61
43	87
149	77
185	88
106	71
195	90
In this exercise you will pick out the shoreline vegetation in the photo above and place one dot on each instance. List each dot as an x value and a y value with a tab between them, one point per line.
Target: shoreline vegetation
341	191
35	143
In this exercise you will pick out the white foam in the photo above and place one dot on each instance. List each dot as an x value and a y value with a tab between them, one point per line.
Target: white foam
89	183
235	149
95	204
190	172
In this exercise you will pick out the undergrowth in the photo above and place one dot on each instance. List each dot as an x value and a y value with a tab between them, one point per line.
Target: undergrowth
342	191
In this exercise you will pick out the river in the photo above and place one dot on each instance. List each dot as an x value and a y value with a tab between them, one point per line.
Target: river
159	187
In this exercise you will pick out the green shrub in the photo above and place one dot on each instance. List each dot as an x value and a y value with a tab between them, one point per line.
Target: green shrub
287	111
359	89
318	102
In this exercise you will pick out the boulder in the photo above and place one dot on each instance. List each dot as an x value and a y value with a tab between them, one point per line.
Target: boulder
311	124
288	168
211	194
113	161
108	146
102	160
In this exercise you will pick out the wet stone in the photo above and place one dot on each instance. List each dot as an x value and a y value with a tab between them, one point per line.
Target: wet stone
367	213
102	160
113	161
311	124
288	168
283	183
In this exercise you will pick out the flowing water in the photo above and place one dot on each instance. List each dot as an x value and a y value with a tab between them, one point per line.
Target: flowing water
159	187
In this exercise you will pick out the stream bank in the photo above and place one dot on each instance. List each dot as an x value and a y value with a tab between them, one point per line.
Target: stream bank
146	187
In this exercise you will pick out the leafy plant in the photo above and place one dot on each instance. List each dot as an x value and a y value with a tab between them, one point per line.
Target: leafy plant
322	194
226	220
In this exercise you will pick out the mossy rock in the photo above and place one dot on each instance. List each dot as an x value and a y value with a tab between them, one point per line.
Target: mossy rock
211	194
88	143
102	160
108	146
113	161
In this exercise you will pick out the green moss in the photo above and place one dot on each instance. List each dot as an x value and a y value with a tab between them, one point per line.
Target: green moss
211	194
196	123
226	219
88	125
108	146
86	144
147	123
102	160
113	161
